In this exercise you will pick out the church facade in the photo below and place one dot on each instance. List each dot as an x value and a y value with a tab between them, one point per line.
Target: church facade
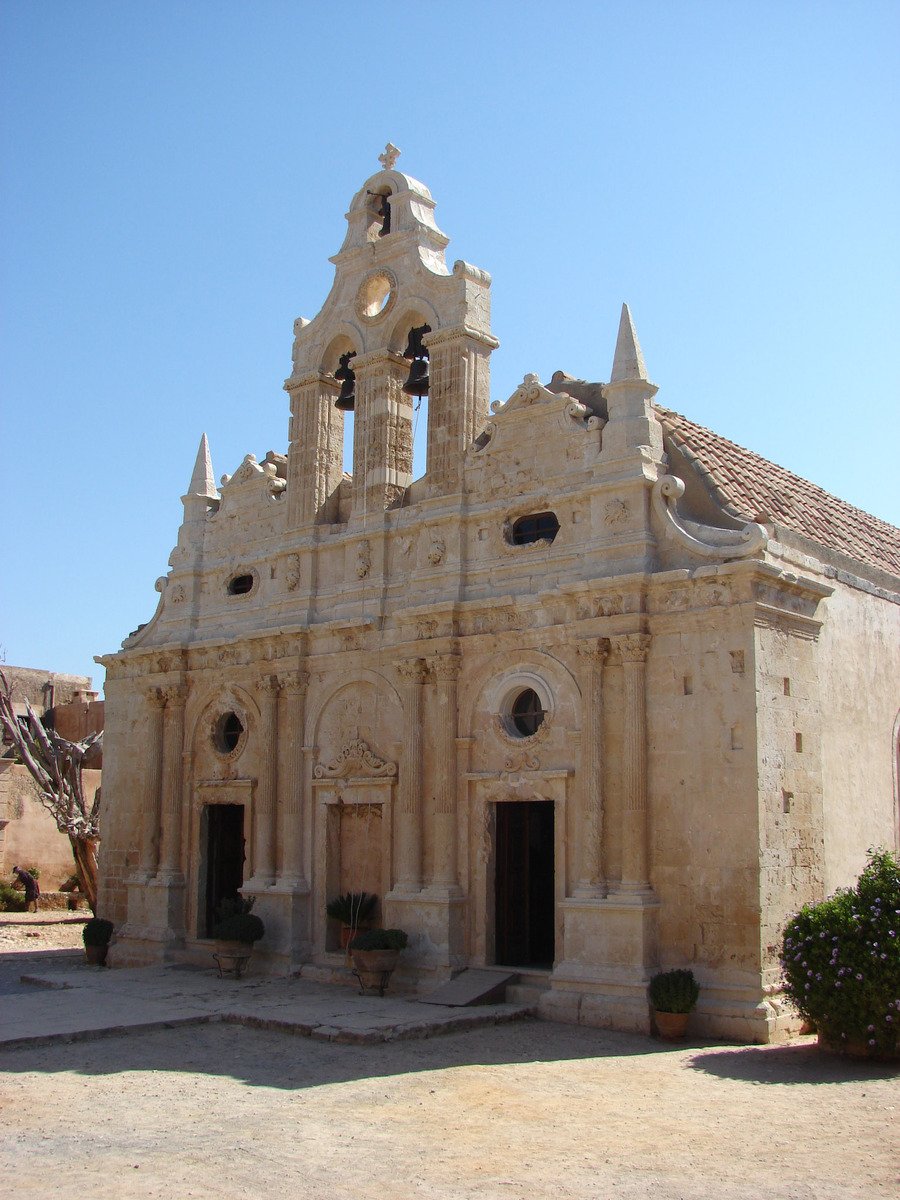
600	693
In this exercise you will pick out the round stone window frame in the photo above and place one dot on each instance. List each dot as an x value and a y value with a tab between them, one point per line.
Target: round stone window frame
241	573
376	295
513	687
217	734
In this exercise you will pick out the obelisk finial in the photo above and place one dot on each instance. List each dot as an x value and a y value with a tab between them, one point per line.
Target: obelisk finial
390	156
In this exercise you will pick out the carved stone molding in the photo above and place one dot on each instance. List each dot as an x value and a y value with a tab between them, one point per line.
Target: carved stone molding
175	694
294	682
268	683
356	759
292	572
412	670
630	647
363	559
594	650
706	540
445	667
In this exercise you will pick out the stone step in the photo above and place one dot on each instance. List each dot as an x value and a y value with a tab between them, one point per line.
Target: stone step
473	986
524	993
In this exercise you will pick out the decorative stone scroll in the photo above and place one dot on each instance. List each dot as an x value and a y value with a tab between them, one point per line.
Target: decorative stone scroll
705	540
357	760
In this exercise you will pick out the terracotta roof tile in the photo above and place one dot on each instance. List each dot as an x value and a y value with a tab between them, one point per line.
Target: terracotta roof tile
751	487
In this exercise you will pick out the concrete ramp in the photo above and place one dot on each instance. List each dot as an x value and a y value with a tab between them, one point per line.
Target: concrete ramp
472	987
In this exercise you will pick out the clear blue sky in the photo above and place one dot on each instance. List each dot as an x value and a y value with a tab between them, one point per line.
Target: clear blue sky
175	176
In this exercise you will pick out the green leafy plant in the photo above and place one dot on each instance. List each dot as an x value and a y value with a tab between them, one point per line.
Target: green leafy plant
236	923
841	960
11	899
97	932
380	939
674	991
352	908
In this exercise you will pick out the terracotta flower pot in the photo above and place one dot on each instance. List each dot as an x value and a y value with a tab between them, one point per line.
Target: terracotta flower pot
232	956
670	1026
374	967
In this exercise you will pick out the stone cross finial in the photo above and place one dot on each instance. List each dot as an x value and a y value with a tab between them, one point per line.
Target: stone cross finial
390	156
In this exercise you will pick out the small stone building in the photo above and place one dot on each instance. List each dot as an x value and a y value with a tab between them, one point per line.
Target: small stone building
28	833
600	693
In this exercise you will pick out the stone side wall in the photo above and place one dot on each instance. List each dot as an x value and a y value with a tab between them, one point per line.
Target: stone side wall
790	802
860	705
122	799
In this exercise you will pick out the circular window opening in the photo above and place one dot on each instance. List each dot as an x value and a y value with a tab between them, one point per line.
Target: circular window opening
536	527
228	732
240	585
527	713
375	295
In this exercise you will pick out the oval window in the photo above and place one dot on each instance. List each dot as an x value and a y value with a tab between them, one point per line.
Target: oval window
240	585
228	732
527	713
536	527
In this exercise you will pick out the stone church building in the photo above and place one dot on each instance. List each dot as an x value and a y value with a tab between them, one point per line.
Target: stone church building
600	693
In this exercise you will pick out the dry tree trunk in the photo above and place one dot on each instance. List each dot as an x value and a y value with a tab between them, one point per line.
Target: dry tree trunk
56	765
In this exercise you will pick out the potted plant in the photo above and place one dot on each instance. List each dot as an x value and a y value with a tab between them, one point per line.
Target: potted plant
375	953
235	931
96	935
673	995
352	909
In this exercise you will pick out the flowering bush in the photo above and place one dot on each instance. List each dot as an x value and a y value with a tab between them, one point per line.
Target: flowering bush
841	959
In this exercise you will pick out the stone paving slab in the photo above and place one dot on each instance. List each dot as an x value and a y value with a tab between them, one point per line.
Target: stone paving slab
76	1001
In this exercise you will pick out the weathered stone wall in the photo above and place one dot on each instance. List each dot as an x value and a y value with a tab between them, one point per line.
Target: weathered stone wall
859	705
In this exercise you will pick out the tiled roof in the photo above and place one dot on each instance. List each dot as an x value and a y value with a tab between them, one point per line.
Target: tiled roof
751	487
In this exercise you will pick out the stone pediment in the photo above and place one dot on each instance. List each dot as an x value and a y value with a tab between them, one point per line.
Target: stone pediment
252	483
358	761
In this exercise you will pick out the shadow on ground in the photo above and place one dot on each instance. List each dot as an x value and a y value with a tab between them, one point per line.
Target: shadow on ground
275	1059
796	1063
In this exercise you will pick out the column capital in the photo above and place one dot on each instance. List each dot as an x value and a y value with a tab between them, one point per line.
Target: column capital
630	647
378	360
294	682
411	670
174	694
268	684
594	650
444	667
156	697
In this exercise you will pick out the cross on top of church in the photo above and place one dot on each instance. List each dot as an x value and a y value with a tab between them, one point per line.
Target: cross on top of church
390	156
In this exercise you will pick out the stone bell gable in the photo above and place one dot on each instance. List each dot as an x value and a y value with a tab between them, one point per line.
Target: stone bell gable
600	693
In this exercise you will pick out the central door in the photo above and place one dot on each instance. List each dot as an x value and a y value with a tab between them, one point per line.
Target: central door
224	856
524	886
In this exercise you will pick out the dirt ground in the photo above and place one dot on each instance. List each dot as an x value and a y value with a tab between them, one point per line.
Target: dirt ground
510	1112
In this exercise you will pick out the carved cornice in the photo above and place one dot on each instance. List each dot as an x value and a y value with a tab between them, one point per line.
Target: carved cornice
318	378
630	647
705	540
358	760
459	333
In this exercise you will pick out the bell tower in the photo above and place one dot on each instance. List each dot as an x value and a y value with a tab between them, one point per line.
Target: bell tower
396	320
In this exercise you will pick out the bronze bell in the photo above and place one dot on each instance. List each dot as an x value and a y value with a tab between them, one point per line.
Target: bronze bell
417	383
346	401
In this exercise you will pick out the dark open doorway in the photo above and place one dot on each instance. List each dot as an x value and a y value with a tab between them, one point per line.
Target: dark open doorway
224	856
524	886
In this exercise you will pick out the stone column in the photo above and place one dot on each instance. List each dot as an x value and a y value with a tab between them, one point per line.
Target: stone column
316	452
294	803
458	401
444	669
173	779
631	649
265	810
156	699
409	817
593	655
382	433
